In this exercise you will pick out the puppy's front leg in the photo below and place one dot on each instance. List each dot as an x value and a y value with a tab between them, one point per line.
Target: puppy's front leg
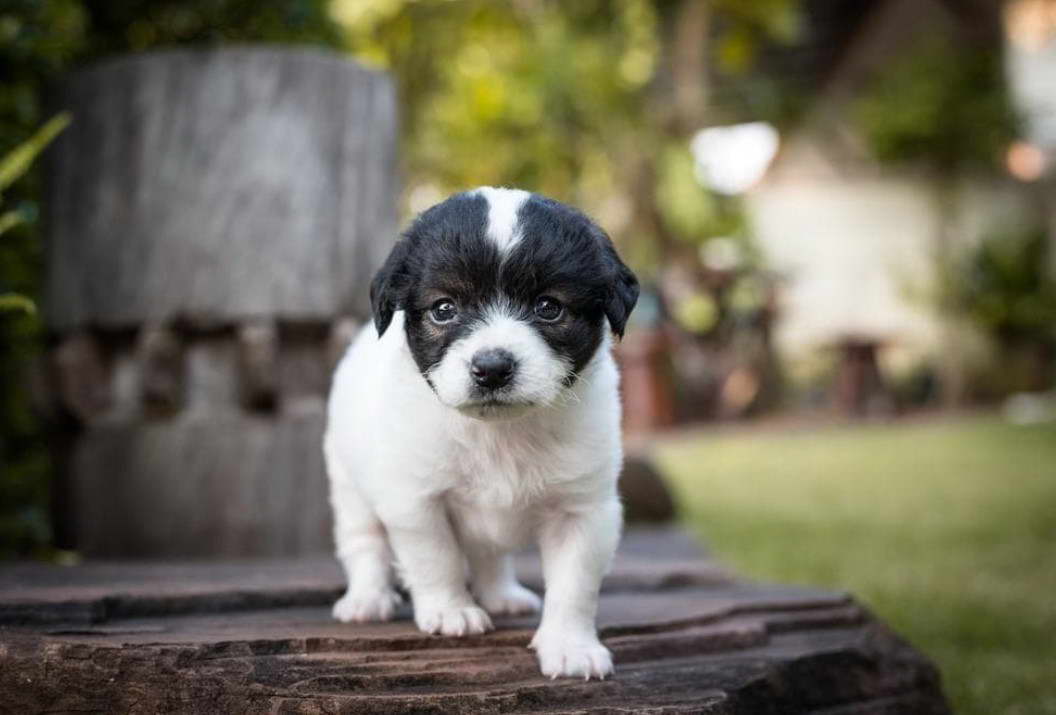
577	549
433	569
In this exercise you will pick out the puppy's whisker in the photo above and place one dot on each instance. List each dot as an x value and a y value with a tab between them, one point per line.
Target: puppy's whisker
573	394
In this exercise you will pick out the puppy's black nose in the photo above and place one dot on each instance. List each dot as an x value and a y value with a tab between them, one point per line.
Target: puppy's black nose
492	368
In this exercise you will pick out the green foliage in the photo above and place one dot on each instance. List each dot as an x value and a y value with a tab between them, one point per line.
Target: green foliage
567	99
943	105
23	462
12	166
137	25
10	219
562	98
1007	287
17	161
540	94
691	212
750	26
38	38
13	302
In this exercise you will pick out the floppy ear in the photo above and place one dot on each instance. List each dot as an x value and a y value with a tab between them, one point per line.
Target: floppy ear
388	290
623	290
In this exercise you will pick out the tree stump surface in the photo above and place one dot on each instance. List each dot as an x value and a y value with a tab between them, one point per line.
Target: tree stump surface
214	219
219	185
257	636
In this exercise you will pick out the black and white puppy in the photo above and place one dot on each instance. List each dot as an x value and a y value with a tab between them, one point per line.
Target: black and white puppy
480	411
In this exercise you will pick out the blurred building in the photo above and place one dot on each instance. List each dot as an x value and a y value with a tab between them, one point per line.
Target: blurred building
856	239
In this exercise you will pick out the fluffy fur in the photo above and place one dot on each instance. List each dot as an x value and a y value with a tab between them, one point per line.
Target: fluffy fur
442	467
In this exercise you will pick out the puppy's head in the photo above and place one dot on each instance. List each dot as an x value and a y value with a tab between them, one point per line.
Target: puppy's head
507	296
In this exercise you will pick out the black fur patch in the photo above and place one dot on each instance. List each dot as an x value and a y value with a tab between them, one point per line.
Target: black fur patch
561	253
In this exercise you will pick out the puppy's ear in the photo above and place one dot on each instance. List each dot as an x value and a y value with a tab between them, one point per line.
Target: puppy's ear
622	291
388	290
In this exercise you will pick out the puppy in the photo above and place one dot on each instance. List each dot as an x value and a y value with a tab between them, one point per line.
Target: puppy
479	412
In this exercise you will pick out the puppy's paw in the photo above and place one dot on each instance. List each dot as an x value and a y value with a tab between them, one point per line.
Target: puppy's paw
509	598
364	607
572	656
452	620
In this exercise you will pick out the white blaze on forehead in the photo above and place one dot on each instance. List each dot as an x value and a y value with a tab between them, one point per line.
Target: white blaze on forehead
503	205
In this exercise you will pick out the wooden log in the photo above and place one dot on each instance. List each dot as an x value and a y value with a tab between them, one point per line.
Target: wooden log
304	374
687	637
81	376
644	356
258	357
212	377
342	332
860	386
160	357
203	484
223	206
216	186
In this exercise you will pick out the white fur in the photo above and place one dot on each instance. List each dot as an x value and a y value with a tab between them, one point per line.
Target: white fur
442	491
503	205
537	380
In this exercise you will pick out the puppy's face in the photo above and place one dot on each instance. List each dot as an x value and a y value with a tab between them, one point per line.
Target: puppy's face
506	297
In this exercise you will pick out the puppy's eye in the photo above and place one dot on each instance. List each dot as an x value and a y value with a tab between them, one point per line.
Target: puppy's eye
443	311
548	309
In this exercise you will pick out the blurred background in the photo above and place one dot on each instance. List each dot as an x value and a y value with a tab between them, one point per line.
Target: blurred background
843	215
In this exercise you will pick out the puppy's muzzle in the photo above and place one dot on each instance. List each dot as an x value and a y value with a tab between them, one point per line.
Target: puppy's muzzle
492	369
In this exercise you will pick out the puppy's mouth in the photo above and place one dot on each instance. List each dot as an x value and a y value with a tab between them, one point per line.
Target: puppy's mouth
494	409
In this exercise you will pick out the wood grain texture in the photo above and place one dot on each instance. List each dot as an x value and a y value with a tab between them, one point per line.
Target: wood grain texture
258	637
80	374
215	186
258	346
37	593
206	444
203	484
159	353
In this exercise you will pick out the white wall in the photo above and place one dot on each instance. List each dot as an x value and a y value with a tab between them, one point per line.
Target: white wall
856	254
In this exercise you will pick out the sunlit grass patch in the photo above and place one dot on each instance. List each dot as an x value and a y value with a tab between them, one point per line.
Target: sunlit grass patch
946	529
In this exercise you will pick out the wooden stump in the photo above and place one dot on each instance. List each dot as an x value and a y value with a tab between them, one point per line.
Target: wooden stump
220	186
648	401
256	636
214	220
860	387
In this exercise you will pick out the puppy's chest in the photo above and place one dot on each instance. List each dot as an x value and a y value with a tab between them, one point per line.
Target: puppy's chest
499	479
511	468
500	527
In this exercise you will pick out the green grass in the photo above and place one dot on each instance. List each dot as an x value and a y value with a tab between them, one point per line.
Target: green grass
947	530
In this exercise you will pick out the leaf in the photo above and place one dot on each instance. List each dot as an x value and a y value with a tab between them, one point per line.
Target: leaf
19	159
10	219
16	302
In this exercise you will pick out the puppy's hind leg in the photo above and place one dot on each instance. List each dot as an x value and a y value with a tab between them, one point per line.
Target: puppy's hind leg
362	549
495	585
